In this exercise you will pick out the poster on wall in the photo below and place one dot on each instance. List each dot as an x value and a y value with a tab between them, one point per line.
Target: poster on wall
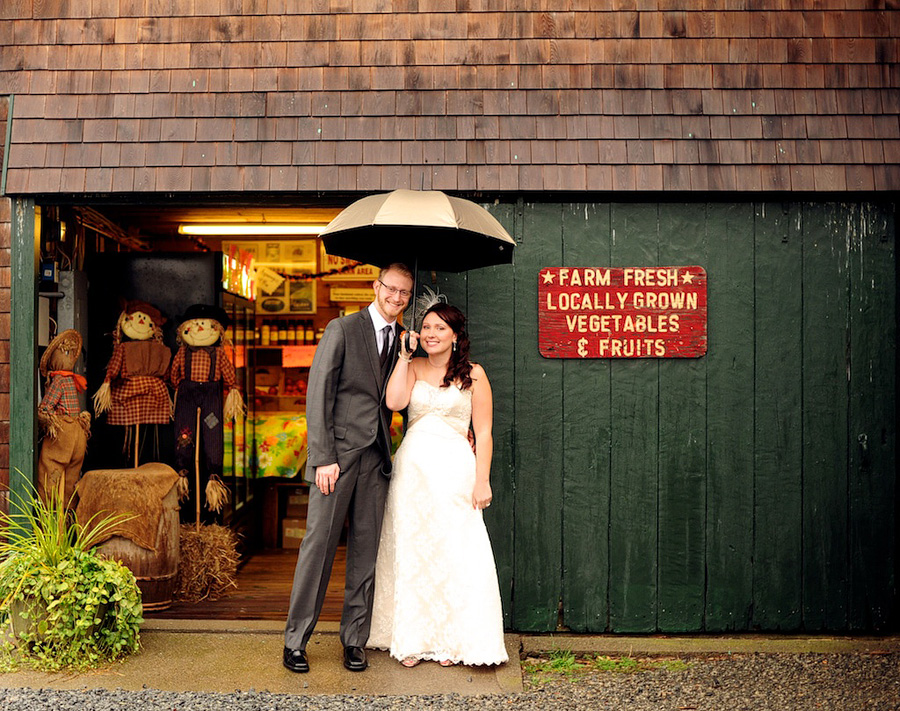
277	262
630	312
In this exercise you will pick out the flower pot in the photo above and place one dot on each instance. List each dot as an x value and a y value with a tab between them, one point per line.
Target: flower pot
26	615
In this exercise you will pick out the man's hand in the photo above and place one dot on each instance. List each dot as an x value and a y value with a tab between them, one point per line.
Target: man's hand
327	476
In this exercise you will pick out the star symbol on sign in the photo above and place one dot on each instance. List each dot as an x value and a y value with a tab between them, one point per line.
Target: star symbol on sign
687	278
548	277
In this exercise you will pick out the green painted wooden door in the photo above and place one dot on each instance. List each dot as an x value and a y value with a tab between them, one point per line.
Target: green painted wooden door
751	489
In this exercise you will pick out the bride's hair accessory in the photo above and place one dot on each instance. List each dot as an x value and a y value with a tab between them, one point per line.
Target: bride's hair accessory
424	302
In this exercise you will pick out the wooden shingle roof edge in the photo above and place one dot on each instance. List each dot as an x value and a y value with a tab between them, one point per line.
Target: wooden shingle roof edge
136	95
731	140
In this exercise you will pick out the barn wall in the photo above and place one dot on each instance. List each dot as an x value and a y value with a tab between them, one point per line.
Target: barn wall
751	489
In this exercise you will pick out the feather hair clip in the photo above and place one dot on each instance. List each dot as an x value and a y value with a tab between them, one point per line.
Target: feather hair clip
424	302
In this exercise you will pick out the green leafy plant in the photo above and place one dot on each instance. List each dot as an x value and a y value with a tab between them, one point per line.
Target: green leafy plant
558	663
67	606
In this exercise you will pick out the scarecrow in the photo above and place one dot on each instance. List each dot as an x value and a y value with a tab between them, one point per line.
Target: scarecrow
203	376
134	390
66	428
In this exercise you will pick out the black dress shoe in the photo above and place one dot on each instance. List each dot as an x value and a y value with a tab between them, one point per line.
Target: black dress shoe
295	660
355	659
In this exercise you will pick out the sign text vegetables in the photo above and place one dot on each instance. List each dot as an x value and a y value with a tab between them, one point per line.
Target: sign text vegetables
630	312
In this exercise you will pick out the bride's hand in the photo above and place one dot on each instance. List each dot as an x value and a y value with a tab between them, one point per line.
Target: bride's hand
405	353
481	496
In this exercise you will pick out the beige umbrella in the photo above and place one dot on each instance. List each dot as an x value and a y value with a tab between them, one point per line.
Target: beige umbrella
426	229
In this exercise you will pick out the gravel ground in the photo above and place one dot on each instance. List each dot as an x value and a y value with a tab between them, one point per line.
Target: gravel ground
794	682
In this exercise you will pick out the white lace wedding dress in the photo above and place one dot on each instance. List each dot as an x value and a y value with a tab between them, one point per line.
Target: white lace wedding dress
436	591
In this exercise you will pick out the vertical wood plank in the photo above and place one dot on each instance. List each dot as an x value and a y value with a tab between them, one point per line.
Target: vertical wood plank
729	532
825	408
635	449
539	418
586	445
492	329
453	286
873	428
682	446
23	354
777	568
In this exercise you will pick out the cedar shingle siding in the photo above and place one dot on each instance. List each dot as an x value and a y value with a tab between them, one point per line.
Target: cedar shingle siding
364	95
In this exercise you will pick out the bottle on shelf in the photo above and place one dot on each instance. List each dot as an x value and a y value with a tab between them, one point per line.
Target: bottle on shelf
265	334
273	333
309	336
282	332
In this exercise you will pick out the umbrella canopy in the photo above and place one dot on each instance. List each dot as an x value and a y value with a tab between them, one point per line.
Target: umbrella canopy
424	228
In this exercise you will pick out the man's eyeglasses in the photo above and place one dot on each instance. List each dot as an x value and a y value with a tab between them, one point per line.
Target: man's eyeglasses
394	290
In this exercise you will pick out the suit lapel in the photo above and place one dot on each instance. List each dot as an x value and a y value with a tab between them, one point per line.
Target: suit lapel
367	332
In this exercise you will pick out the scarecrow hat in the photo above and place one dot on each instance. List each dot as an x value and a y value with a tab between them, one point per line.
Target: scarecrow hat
69	338
216	313
132	305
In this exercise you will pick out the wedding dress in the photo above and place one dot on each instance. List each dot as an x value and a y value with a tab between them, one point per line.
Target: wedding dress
436	591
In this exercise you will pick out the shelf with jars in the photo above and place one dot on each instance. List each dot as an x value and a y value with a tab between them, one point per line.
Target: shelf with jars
277	332
281	359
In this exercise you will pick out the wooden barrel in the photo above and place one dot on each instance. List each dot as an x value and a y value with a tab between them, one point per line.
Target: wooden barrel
155	570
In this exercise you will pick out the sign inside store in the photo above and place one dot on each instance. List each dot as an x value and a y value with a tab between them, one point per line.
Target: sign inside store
297	356
630	312
360	272
343	295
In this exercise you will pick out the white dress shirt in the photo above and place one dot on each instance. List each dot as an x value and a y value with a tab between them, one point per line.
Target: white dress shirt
379	323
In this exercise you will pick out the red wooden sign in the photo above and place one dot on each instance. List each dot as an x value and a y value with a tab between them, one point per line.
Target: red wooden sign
630	312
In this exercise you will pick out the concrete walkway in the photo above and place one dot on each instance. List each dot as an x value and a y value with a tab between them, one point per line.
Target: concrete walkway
226	656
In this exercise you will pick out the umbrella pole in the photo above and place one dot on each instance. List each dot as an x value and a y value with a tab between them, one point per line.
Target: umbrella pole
412	301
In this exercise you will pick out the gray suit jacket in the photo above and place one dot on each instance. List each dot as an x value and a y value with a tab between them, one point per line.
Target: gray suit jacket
345	410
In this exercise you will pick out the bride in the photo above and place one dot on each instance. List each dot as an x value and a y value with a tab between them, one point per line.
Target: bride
436	591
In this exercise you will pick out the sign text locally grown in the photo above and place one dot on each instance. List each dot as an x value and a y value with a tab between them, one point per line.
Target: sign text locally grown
623	312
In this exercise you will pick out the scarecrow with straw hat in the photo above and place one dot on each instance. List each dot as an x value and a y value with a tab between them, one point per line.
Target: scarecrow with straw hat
134	390
66	428
206	395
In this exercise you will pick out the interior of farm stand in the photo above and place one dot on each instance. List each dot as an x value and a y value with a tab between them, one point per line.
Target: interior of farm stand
266	267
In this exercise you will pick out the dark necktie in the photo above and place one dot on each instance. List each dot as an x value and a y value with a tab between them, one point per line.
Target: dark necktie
385	345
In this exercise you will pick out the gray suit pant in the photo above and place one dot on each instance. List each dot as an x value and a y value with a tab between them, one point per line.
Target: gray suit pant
359	496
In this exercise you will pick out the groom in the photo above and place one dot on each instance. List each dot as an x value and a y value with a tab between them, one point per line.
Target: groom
349	462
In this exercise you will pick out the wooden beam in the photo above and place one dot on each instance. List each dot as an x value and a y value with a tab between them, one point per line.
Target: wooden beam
92	219
23	351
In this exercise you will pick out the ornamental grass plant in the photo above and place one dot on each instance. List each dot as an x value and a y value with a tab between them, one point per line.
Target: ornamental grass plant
62	605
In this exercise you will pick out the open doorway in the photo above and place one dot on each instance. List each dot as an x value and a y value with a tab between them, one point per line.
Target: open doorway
96	256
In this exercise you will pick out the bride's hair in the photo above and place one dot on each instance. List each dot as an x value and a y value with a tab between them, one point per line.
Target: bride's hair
459	369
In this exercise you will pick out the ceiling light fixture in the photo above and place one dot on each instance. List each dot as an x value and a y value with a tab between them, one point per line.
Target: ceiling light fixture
261	229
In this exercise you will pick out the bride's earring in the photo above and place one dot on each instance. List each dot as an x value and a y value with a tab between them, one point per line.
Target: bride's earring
454	345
